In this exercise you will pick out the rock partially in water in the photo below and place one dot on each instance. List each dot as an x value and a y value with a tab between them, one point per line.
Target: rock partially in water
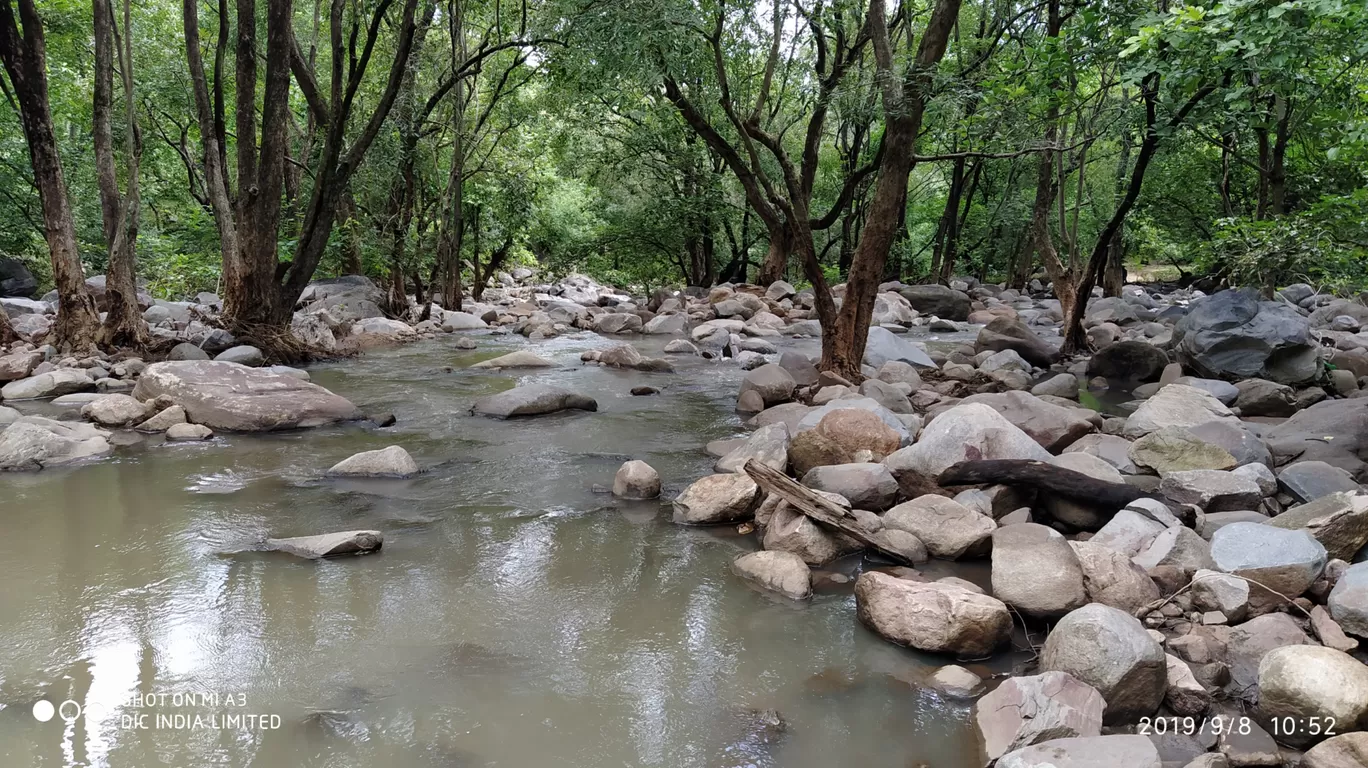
234	397
1128	361
115	410
935	617
328	544
61	381
767	445
1036	571
532	400
1111	651
188	432
782	572
1029	710
33	442
771	382
519	359
949	529
938	300
636	480
883	345
723	498
392	461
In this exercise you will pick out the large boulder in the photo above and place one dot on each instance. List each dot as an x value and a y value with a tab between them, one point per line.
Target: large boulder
230	396
949	529
712	499
392	461
1176	449
1339	521
1286	562
936	616
774	384
782	572
1233	335
1009	333
1309	685
1178	547
1112	578
968	431
1246	645
34	442
867	485
532	400
115	410
1029	710
858	430
19	365
16	279
1128	532
939	300
1054	427
1212	490
1332	431
62	381
1128	361
883	345
792	531
522	358
1119	751
1175	405
1036	571
1111	651
1310	480
812	449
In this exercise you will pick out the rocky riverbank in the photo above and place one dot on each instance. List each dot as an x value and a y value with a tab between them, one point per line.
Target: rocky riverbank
1221	589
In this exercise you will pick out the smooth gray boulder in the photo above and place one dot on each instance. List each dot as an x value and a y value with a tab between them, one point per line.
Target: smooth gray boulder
1284	561
949	529
187	351
61	381
883	346
1128	361
1002	333
1054	427
532	400
34	442
1333	431
791	531
1212	490
242	354
328	544
229	396
392	461
521	358
115	410
1310	480
939	300
866	484
969	431
188	432
1233	335
1111	651
1128	532
1175	405
1036	571
1306	684
768	445
774	384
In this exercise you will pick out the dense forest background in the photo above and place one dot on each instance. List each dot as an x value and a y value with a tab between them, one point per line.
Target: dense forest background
670	142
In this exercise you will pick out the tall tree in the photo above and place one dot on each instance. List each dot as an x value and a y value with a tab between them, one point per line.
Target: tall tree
24	54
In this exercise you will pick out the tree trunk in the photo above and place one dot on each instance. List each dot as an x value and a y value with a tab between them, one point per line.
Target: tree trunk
352	266
123	325
776	258
1277	172
25	59
843	347
1114	276
207	114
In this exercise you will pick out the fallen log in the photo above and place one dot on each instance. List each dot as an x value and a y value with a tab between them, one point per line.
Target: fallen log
1060	481
822	511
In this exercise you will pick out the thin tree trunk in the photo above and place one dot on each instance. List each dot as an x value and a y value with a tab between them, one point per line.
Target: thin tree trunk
25	59
1277	172
1114	278
207	113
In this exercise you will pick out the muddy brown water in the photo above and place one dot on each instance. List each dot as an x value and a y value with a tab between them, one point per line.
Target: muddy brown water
516	617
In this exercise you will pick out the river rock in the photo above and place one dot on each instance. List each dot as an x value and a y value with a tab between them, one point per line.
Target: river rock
392	461
61	381
519	359
812	449
1029	710
955	681
1281	560
1175	449
618	322
812	417
115	410
968	431
1233	335
1310	480
1112	449
329	544
1261	475
767	445
858	430
1111	651
939	300
163	420
1224	391
1004	333
1128	361
243	354
1222	592
187	351
462	321
1261	397
883	345
1036	571
671	323
636	480
188	432
1212	490
711	499
949	529
1348	601
1333	431
1175	405
532	400
1347	750
771	382
867	485
782	572
1184	696
1111	578
231	396
1053	426
1245	645
886	395
934	617
1179	547
898	372
34	442
18	365
1128	532
791	531
1076	513
1118	751
1306	684
1339	521
1239	442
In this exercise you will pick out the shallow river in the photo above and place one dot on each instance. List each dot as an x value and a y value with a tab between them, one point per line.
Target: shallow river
516	616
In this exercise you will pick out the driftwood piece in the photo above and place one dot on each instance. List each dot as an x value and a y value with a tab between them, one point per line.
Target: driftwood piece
1060	481
821	511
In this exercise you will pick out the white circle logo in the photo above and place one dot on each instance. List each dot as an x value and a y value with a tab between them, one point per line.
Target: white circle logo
69	710
43	710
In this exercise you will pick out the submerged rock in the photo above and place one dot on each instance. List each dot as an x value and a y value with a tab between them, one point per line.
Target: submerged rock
328	544
188	432
234	397
393	461
532	400
33	442
519	359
